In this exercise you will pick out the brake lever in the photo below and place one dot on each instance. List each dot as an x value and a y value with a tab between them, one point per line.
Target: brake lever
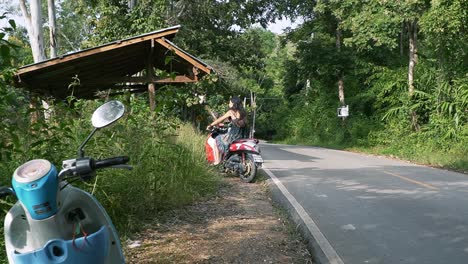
65	172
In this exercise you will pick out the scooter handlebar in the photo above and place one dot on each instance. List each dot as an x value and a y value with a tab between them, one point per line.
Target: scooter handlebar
218	129
111	162
5	191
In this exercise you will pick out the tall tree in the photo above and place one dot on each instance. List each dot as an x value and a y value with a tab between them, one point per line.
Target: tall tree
216	28
387	18
341	94
445	31
329	7
73	25
52	28
33	18
112	20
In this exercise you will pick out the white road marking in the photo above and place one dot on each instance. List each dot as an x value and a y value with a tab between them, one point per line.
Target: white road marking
348	227
323	243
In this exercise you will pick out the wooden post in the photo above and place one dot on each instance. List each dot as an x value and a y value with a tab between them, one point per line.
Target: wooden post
152	94
194	73
34	105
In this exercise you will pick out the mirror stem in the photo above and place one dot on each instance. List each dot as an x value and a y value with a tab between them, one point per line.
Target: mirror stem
80	150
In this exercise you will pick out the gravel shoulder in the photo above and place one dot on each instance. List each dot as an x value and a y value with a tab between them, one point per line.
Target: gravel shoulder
239	225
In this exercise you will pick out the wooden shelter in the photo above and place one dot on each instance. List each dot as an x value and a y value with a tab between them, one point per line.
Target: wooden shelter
118	65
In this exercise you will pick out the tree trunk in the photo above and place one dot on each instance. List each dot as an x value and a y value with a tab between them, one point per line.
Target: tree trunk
402	35
253	104
36	40
53	48
341	90
34	28
132	4
52	29
341	95
412	56
413	59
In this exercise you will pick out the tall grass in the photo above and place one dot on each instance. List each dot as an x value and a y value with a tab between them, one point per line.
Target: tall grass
169	171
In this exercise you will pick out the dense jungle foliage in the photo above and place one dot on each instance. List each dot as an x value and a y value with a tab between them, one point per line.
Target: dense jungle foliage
369	46
400	66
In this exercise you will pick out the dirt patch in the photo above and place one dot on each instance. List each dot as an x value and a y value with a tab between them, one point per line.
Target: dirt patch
239	225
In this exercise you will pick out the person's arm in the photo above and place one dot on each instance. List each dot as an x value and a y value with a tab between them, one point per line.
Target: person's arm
221	119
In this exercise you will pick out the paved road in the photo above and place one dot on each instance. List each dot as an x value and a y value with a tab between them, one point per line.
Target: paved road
367	209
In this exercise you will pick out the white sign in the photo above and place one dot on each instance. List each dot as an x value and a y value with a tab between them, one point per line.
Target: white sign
343	111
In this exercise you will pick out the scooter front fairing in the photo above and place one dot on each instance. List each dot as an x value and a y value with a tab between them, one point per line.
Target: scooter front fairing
55	239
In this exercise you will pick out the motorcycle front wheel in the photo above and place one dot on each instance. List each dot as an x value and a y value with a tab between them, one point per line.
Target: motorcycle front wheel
250	169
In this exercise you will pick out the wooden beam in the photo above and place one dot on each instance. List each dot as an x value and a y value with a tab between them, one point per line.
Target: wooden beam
178	79
183	55
93	51
142	80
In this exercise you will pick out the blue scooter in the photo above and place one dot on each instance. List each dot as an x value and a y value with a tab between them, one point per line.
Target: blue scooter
54	222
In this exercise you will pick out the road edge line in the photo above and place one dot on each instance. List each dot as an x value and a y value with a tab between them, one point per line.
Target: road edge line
329	254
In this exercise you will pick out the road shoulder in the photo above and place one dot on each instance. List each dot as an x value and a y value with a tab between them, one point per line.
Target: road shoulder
239	225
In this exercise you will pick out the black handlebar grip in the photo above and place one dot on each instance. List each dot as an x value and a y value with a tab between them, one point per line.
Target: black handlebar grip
111	162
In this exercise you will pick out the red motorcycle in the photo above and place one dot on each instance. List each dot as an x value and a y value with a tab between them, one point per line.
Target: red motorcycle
242	158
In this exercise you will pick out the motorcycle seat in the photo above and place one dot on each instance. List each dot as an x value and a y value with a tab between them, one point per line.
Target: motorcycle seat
245	140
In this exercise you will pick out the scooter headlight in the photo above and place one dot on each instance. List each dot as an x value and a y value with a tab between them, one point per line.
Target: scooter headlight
32	171
36	186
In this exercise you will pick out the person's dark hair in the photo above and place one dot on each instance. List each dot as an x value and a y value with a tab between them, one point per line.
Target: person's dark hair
237	106
236	103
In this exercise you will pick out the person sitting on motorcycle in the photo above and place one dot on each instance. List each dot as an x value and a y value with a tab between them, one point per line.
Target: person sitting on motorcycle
237	115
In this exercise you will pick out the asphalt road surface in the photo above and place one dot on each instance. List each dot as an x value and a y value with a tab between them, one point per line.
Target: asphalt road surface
368	209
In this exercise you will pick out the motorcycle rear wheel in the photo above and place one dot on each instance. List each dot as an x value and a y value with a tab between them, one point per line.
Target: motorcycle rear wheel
250	169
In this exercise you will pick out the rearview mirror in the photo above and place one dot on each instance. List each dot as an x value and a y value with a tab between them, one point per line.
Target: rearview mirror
107	114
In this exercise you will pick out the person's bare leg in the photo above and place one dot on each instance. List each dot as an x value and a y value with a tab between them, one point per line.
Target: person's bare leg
216	155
